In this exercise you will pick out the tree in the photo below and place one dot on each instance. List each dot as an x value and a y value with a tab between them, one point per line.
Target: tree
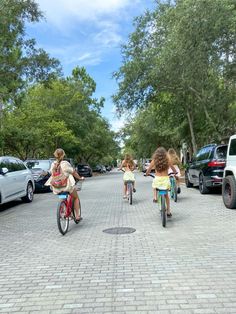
184	50
20	61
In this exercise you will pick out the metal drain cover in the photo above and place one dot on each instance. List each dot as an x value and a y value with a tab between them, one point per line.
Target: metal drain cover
119	230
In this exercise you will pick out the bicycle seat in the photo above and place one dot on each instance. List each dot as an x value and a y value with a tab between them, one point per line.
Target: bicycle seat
162	191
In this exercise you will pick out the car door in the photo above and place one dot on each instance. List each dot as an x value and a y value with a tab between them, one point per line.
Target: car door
199	163
9	188
5	180
21	174
192	168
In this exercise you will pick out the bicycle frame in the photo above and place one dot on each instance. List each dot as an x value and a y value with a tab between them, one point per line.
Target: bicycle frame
68	199
130	190
162	204
173	190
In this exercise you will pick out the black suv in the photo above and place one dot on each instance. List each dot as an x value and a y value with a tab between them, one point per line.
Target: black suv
84	170
206	168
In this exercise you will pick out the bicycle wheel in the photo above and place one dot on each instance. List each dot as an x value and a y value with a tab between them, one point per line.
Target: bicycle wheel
62	220
175	192
130	194
73	212
163	210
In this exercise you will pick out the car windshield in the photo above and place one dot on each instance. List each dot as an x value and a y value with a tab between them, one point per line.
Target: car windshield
82	166
38	164
221	152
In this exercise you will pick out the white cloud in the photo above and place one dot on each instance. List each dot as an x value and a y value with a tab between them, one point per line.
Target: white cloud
62	12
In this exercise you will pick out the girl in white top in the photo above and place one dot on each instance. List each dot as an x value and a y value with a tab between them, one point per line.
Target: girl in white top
129	166
69	172
175	161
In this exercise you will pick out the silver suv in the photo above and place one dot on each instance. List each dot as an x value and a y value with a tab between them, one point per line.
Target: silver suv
16	180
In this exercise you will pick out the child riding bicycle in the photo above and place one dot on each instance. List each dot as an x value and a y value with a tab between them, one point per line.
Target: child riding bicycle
161	163
129	166
175	161
68	173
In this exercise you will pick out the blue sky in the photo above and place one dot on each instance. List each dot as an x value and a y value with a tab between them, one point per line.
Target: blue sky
89	33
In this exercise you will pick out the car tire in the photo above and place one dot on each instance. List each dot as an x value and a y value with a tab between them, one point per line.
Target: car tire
29	194
229	192
187	182
202	185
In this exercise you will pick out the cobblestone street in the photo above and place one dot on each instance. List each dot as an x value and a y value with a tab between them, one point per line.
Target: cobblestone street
187	268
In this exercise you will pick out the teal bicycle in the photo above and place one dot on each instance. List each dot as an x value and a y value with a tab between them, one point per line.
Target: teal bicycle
173	187
161	200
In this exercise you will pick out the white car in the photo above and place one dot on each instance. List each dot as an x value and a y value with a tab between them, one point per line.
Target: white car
16	180
229	180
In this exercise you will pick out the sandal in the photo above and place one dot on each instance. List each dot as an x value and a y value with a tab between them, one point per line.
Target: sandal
154	201
169	215
78	220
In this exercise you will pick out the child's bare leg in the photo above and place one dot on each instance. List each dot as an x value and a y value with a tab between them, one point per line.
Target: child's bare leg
178	184
125	190
154	195
134	186
167	203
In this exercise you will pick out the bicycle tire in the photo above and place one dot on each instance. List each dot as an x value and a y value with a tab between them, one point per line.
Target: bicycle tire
163	211
62	221
130	195
175	192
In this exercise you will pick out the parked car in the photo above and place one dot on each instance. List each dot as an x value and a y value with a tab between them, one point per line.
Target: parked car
108	168
146	164
84	170
229	180
16	180
40	170
100	169
206	168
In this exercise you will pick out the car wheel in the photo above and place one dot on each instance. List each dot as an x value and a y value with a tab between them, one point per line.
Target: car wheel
187	182
229	192
202	185
29	194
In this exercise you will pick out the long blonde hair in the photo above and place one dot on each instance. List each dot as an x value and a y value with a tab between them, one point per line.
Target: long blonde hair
59	154
173	156
128	161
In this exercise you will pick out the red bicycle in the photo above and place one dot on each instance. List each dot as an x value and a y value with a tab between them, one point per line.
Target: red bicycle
65	210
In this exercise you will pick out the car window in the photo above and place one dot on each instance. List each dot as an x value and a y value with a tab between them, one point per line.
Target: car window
199	154
4	163
14	165
206	153
232	149
38	164
21	165
221	152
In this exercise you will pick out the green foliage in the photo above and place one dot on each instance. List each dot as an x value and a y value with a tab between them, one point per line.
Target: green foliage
179	65
20	60
61	115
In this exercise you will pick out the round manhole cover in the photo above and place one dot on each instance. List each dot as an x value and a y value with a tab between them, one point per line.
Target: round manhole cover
119	230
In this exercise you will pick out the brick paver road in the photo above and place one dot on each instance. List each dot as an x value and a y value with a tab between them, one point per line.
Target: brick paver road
189	267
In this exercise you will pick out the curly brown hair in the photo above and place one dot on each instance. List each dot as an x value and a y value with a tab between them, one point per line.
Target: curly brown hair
161	160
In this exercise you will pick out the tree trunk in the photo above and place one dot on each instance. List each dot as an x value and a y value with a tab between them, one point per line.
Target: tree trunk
193	140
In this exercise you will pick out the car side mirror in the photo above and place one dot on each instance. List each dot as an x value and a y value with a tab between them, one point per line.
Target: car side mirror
3	171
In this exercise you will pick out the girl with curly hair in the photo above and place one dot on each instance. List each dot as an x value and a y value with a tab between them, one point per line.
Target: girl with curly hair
161	163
